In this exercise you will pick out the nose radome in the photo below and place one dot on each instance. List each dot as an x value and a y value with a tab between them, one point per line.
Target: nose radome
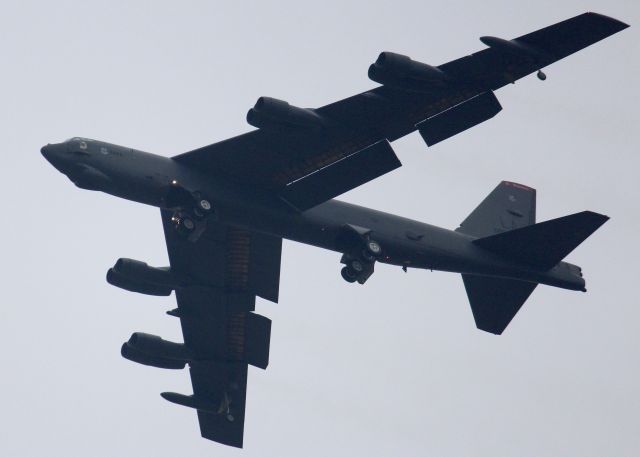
46	150
55	155
50	151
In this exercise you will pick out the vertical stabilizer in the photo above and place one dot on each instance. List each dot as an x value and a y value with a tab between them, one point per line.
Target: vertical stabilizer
509	206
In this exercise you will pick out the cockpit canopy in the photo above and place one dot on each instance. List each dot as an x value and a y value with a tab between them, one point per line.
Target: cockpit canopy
80	145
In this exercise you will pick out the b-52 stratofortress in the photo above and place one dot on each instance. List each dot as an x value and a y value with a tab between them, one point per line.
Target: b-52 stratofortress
227	207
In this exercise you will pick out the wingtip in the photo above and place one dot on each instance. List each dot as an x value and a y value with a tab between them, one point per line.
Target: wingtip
603	217
615	23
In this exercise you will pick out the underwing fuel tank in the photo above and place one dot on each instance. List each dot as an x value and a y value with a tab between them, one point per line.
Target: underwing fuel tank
191	401
137	276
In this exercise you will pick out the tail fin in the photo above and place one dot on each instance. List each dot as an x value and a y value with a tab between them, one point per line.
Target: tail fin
495	301
509	206
545	244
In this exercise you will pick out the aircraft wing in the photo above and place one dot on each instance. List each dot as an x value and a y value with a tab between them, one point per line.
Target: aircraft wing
283	159
222	273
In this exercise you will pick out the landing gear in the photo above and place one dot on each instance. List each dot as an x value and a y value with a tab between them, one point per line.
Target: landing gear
349	275
371	251
183	223
192	209
202	206
359	265
188	225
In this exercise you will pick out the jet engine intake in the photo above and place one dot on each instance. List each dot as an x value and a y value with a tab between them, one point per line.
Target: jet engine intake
401	72
136	276
270	113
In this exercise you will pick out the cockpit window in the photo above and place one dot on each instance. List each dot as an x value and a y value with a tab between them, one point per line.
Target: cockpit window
79	145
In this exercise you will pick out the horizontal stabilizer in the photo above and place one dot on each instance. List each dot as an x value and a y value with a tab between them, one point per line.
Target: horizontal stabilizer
545	244
459	118
495	301
342	176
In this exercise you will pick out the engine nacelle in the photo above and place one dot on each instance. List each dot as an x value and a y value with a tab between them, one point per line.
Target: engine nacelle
273	113
156	346
134	355
399	71
154	351
136	276
512	47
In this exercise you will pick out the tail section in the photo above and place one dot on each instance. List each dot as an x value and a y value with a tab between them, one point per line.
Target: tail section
545	244
504	223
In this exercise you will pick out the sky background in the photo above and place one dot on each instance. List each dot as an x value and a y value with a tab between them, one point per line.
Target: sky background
395	367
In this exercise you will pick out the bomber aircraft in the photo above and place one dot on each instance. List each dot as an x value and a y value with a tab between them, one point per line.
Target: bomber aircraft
227	207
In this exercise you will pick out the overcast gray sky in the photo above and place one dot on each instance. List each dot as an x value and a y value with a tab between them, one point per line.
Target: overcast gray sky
395	367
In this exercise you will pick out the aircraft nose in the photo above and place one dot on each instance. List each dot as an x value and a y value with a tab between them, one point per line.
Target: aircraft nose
45	150
54	153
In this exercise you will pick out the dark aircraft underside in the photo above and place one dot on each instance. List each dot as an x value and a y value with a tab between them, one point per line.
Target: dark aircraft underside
226	208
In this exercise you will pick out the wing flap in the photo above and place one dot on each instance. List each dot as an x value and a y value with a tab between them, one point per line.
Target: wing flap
229	258
337	178
258	339
459	118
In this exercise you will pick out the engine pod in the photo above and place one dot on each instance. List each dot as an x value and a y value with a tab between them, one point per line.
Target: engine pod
131	353
136	276
401	72
270	113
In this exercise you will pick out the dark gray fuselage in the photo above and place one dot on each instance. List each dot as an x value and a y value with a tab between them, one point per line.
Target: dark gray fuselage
146	178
